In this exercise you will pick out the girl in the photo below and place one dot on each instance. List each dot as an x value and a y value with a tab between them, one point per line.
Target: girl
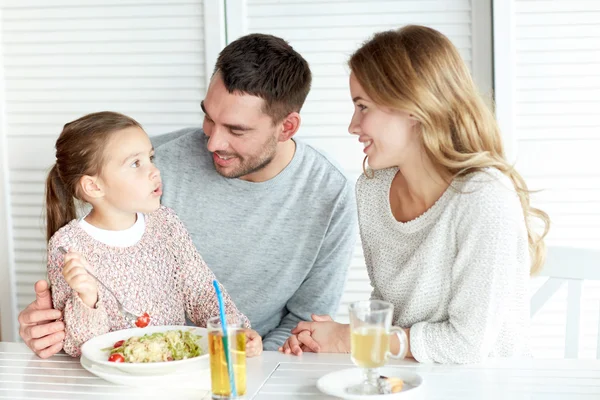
137	248
445	220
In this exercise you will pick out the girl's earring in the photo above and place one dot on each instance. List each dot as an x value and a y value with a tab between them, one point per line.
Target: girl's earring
368	171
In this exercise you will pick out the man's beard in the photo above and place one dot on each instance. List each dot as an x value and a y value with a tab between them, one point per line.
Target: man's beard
251	165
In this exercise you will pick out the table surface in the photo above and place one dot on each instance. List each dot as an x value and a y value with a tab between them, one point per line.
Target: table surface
274	376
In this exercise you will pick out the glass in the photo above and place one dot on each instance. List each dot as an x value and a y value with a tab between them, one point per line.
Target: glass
371	328
219	375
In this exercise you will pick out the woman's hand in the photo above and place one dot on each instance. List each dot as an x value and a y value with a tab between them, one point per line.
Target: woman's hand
254	345
74	271
322	335
293	345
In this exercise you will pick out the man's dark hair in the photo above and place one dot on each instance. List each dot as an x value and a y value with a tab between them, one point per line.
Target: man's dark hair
267	67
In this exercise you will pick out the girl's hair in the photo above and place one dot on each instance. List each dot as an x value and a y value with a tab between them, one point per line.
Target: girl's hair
79	152
418	70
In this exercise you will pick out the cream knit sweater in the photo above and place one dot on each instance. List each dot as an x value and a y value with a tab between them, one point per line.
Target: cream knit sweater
458	274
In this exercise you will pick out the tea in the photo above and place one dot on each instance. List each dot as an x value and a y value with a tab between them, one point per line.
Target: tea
369	346
218	363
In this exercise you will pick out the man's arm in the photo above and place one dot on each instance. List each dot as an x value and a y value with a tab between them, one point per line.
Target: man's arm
322	289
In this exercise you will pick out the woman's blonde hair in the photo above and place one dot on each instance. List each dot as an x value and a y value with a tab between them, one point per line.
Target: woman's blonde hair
418	70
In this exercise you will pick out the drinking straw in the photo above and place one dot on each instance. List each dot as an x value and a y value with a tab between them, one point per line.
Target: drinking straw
225	338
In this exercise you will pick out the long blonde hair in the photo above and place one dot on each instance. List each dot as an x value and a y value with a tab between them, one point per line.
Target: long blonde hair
418	70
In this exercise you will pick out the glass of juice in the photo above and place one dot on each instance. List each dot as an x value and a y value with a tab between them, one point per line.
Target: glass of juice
219	374
371	328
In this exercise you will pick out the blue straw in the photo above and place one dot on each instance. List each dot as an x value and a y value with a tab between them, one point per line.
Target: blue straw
225	338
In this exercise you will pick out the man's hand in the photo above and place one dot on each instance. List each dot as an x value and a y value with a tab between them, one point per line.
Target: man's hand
254	346
323	335
39	327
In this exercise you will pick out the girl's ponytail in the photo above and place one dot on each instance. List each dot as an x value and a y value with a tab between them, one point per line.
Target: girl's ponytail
60	204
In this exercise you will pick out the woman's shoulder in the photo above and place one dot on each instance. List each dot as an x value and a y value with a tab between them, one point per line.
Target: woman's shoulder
379	180
488	191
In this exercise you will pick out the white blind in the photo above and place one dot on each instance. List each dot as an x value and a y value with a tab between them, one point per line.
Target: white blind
326	34
558	140
65	58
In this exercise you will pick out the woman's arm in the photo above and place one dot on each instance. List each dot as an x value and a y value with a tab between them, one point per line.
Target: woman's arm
492	262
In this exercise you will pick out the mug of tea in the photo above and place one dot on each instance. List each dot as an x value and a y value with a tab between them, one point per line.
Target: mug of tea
371	330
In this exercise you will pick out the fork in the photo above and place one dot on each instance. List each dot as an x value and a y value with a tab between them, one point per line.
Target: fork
131	318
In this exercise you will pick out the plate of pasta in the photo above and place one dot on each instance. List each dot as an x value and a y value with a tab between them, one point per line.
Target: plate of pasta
150	351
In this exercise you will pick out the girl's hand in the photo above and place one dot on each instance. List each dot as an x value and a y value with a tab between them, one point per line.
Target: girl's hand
254	346
78	278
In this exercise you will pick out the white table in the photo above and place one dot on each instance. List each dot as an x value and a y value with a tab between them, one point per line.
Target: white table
275	376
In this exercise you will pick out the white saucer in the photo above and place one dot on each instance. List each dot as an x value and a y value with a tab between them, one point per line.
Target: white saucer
191	377
337	383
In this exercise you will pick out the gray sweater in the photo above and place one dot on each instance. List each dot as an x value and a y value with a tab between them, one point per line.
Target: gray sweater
282	247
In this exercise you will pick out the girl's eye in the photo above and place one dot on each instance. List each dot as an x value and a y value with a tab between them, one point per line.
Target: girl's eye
136	164
361	107
152	159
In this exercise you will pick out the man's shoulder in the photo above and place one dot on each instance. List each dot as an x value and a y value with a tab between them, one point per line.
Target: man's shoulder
321	167
176	138
180	148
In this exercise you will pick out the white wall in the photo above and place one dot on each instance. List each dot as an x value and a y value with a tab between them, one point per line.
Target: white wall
557	86
59	60
558	113
7	279
153	63
547	57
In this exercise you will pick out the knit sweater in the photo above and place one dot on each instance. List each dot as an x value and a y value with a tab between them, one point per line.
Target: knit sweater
162	274
458	274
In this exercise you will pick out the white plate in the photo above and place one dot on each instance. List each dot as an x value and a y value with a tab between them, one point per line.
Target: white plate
93	351
185	378
337	383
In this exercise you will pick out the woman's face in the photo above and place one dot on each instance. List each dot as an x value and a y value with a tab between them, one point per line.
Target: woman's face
388	136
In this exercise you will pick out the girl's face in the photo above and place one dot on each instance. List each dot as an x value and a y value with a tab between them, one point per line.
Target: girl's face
129	181
388	136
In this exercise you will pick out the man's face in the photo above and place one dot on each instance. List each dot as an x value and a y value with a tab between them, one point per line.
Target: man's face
240	135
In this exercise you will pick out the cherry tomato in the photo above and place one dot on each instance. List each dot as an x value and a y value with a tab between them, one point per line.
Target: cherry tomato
143	321
116	358
119	344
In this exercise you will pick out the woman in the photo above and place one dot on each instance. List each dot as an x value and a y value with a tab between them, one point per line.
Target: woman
445	220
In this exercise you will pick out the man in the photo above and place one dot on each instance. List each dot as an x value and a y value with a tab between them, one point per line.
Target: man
272	217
